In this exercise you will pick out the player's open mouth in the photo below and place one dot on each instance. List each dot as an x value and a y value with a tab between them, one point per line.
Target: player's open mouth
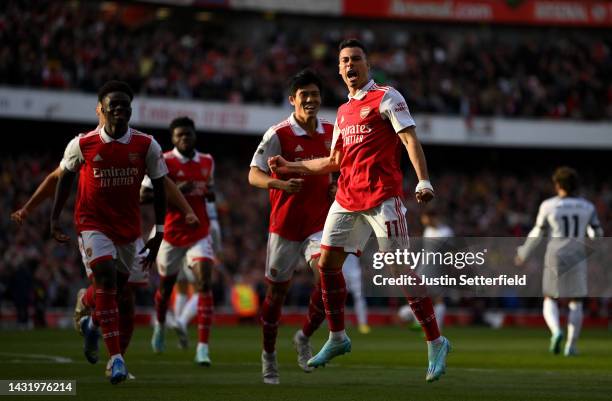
352	74
310	107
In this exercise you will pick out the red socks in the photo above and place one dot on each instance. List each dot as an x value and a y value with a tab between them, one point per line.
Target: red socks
205	313
161	307
334	296
107	316
125	315
424	312
89	299
125	303
316	311
162	302
270	317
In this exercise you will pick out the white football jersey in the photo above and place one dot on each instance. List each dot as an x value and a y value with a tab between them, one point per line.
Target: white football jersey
567	217
570	218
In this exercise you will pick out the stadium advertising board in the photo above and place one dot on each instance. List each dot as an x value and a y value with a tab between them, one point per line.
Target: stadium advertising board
253	120
333	7
534	12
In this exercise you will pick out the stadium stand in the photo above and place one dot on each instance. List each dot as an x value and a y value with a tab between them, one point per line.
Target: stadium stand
245	58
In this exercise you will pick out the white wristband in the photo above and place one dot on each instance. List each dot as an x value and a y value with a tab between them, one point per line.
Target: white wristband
423	184
159	228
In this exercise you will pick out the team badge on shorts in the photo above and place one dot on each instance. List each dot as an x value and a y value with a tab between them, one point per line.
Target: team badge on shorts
273	272
88	252
363	113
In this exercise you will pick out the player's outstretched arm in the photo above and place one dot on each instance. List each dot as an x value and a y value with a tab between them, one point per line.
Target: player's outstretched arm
45	190
594	232
424	190
260	179
62	192
177	200
524	251
323	165
534	237
159	206
594	229
174	198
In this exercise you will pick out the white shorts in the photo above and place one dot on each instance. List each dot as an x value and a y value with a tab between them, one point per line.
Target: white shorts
283	256
96	246
171	259
186	274
349	231
565	269
138	276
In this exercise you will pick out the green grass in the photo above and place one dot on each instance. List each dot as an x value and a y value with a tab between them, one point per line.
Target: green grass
388	364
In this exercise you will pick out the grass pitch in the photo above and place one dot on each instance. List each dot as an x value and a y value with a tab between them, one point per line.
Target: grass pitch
388	364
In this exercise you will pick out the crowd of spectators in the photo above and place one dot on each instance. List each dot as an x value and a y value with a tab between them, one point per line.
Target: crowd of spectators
247	57
36	271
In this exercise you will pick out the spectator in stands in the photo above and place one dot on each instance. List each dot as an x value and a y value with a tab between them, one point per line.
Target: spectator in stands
445	69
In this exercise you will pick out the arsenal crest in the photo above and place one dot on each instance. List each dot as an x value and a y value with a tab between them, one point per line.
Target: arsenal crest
363	113
133	157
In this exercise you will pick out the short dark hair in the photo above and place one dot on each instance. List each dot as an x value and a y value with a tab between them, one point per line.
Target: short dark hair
304	78
352	42
115	86
567	179
182	122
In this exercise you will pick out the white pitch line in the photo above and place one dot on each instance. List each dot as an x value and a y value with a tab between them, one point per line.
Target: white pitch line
51	358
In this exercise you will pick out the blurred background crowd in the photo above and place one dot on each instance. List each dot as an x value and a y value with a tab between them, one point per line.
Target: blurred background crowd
245	58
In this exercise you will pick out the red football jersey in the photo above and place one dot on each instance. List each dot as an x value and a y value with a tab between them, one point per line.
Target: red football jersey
199	170
366	132
111	170
296	216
